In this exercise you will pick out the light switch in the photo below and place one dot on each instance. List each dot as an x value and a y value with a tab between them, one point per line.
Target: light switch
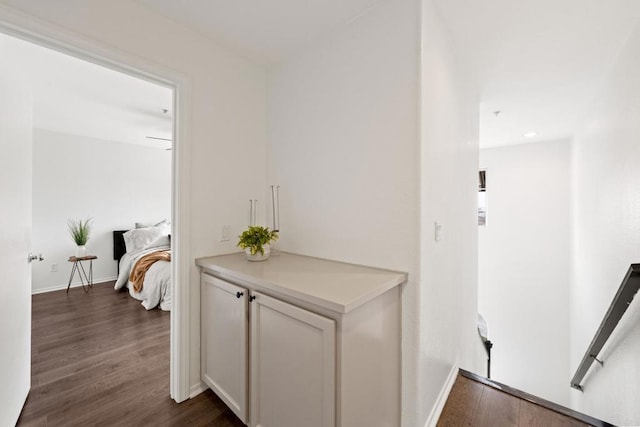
225	232
437	231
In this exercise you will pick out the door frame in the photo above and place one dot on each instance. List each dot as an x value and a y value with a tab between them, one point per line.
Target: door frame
46	34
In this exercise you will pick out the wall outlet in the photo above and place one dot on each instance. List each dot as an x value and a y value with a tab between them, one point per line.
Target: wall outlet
54	268
225	233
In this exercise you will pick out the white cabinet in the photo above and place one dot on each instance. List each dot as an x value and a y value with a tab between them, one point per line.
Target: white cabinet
224	342
292	356
299	341
292	365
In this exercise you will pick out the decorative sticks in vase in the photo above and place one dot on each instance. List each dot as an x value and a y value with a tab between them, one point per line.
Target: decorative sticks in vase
275	205
253	212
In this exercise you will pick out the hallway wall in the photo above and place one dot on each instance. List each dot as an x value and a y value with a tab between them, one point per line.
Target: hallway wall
524	256
606	214
448	290
344	147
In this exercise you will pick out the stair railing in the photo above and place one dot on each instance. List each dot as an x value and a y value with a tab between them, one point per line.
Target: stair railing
627	290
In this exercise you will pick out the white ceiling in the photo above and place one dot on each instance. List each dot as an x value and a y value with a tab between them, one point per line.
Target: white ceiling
78	97
539	62
264	31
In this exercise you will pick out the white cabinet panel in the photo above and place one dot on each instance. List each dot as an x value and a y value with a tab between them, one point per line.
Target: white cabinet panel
224	342
292	366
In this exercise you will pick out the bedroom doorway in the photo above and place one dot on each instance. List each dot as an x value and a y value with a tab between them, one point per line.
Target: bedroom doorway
101	150
174	184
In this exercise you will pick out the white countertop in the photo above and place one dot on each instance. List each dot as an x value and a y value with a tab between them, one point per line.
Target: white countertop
333	285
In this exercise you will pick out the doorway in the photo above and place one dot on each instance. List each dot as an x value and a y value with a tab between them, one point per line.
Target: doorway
102	142
179	165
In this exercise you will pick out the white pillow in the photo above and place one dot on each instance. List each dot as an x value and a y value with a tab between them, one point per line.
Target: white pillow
164	225
140	237
161	241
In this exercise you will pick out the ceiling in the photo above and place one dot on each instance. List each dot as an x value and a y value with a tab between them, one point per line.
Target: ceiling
265	31
77	97
538	62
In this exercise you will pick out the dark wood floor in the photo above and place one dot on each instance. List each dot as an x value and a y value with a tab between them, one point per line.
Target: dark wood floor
101	359
472	403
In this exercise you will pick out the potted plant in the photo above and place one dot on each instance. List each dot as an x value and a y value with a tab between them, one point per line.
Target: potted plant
256	242
79	231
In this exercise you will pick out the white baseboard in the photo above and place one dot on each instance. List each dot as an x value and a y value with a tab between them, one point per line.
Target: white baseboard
432	420
196	389
73	285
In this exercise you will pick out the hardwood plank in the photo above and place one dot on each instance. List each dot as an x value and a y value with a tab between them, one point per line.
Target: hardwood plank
462	403
532	415
480	402
100	358
552	406
496	409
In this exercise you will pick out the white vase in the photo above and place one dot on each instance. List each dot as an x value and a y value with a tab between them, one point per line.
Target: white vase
81	251
258	256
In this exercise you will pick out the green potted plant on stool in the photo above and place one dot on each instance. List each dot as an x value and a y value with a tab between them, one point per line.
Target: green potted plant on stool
256	242
79	231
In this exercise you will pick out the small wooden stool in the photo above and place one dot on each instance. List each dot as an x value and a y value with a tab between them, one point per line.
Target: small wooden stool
77	266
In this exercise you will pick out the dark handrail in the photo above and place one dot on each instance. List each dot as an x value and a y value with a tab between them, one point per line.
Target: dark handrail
627	290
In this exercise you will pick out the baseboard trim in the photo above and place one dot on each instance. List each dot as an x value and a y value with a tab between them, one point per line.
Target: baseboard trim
196	389
432	420
73	285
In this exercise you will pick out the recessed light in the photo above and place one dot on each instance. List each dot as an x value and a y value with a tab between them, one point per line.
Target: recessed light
530	134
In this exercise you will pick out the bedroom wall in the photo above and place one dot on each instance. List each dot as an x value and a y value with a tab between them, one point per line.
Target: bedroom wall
226	116
118	185
606	215
524	258
345	147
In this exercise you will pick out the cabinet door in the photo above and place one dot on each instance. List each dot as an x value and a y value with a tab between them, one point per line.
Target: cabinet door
224	336
292	366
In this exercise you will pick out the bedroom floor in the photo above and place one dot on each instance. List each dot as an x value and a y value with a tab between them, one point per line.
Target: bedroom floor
102	359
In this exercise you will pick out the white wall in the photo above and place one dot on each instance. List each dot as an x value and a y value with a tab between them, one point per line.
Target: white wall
226	115
607	239
344	147
524	257
449	160
345	144
76	177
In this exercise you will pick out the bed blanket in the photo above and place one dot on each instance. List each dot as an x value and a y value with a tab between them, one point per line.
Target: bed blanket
156	291
141	267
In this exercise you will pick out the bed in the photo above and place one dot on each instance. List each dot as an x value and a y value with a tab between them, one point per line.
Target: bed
144	264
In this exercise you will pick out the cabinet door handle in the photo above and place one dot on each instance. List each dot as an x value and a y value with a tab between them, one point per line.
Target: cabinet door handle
251	297
239	294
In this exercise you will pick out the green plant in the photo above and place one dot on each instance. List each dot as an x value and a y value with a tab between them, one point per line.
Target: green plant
79	230
255	237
